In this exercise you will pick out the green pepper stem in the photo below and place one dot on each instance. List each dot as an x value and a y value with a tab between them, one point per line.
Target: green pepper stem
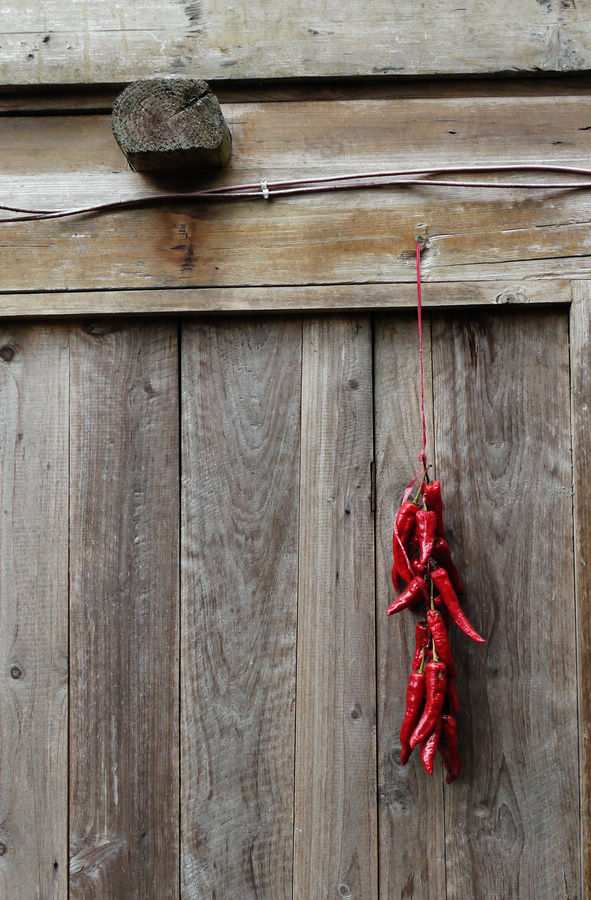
423	658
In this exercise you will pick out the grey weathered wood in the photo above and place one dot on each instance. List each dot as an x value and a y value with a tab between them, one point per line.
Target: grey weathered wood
335	839
347	237
171	124
502	438
64	43
241	442
34	611
124	583
580	335
298	298
412	852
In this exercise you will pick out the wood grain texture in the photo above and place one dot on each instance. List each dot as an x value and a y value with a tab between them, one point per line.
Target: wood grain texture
411	811
502	438
580	334
34	611
361	237
92	43
309	298
124	583
335	841
241	384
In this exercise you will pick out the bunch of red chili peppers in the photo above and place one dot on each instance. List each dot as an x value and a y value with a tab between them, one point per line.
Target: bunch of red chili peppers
422	558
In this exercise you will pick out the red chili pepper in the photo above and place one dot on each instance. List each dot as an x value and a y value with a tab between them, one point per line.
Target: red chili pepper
440	605
433	499
448	747
415	694
442	554
441	640
429	748
405	520
449	597
452	696
416	590
425	530
422	636
436	680
403	525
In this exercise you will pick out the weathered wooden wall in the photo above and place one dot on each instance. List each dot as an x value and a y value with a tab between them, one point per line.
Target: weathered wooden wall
276	709
93	42
201	693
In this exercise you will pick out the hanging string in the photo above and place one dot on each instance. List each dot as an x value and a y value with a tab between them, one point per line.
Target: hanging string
423	454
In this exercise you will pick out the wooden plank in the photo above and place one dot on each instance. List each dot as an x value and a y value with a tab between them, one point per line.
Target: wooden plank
502	436
474	234
90	43
284	299
335	841
34	611
412	850
241	442
580	331
124	582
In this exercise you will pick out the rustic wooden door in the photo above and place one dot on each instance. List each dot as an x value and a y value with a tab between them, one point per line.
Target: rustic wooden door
221	493
207	417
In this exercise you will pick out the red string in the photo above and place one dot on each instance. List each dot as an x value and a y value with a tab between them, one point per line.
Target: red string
423	455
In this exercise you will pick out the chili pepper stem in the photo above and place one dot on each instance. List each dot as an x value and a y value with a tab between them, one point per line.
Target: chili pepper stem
423	660
431	593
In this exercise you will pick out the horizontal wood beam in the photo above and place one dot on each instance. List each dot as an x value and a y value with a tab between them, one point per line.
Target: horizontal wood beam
95	43
361	237
309	298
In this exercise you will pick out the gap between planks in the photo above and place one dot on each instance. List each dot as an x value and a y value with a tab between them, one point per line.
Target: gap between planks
88	99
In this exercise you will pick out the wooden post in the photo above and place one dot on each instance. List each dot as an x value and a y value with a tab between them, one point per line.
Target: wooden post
170	124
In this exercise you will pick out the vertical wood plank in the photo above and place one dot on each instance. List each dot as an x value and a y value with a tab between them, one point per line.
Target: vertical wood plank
580	337
124	610
241	382
33	611
335	845
412	853
501	388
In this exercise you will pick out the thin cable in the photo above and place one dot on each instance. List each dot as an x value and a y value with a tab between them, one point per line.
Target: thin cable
362	180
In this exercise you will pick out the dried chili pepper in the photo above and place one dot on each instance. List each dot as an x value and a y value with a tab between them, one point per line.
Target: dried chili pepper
403	525
441	640
449	597
448	747
442	608
433	499
416	590
417	568
422	636
452	696
415	694
442	554
429	748
425	531
405	520
436	682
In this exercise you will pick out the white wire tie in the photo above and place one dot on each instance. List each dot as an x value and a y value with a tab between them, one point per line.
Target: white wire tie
265	189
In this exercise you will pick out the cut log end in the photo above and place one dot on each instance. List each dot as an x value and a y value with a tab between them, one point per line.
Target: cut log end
170	124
